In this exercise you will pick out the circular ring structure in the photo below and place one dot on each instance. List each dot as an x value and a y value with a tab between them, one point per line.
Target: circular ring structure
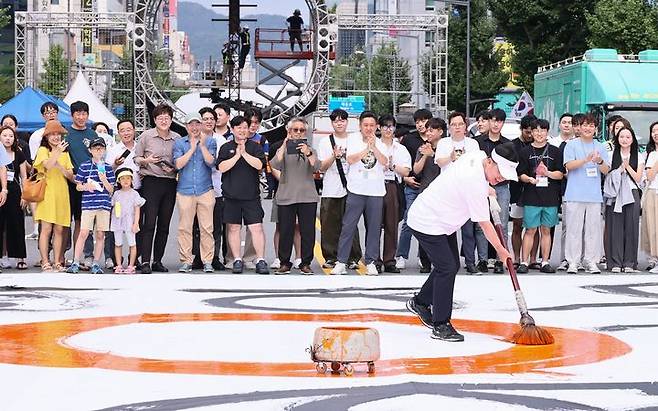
44	344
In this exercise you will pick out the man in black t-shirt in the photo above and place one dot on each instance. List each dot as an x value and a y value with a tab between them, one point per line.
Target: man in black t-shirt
240	162
295	23
540	171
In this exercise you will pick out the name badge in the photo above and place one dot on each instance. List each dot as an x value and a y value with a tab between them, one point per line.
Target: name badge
591	172
542	181
10	176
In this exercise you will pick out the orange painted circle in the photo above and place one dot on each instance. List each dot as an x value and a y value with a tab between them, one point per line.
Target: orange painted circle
41	344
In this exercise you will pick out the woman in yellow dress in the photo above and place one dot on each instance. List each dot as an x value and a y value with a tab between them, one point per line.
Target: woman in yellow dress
54	212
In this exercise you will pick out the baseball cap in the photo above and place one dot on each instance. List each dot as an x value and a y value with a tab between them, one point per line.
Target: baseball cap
506	158
192	117
98	141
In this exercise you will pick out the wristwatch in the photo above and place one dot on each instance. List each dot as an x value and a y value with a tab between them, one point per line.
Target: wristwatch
310	153
600	162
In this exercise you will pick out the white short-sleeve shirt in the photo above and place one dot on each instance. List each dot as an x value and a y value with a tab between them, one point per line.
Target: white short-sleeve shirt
446	145
397	155
114	152
458	194
332	187
365	177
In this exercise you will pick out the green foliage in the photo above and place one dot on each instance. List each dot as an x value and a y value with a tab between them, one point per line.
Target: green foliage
542	32
161	74
629	26
122	83
5	18
487	75
385	71
53	79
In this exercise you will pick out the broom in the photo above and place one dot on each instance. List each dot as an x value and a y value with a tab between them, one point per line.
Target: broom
529	334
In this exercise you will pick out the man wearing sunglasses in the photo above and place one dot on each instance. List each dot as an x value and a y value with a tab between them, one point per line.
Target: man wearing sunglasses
296	197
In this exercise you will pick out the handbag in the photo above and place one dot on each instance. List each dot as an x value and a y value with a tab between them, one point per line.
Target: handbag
34	188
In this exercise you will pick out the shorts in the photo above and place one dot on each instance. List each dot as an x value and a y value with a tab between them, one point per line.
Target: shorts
534	217
95	220
245	212
516	211
130	238
75	200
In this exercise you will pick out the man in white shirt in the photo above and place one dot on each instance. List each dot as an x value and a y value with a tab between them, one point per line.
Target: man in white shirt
331	153
399	166
448	150
566	131
439	212
365	192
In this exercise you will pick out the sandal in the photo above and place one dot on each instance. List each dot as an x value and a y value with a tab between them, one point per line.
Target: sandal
59	268
129	270
46	268
119	270
21	265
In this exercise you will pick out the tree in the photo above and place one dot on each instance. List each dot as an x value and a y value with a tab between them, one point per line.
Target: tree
541	32
385	71
122	83
53	79
629	26
5	18
487	75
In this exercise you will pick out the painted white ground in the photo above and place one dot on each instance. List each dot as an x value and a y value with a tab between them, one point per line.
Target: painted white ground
486	297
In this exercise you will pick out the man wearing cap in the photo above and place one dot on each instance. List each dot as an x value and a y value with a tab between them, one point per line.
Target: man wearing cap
245	46
194	159
295	23
458	194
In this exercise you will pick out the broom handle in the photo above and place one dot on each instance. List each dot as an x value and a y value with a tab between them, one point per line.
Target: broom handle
509	262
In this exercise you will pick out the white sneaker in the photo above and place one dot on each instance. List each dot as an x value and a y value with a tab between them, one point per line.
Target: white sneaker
615	270
109	264
572	269
249	265
563	266
654	270
630	270
581	267
32	236
400	263
296	263
491	263
339	268
276	264
371	269
592	268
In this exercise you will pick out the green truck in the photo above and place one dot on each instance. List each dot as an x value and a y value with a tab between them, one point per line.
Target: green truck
603	82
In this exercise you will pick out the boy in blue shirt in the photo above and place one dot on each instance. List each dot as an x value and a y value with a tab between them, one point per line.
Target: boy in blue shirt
95	179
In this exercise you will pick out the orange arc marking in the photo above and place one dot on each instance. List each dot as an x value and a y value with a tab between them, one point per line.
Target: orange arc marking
43	344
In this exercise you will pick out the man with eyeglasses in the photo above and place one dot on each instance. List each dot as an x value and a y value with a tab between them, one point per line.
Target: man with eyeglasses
333	163
412	141
365	193
296	197
399	166
449	150
154	156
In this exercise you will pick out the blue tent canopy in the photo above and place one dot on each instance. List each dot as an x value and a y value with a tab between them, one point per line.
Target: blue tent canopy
26	107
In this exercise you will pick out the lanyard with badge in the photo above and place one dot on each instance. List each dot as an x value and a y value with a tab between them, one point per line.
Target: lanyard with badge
591	170
542	181
10	172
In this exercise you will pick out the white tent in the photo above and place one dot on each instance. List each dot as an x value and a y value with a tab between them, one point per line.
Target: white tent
81	91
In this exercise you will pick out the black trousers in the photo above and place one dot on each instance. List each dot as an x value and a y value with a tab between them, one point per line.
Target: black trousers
160	196
12	224
440	285
304	213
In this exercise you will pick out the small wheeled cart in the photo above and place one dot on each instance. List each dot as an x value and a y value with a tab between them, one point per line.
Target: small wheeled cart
341	347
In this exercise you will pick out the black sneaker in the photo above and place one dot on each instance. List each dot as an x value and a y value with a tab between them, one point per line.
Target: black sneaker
547	268
261	267
158	267
238	267
482	266
423	312
145	268
424	269
391	268
446	332
523	268
217	265
470	268
498	267
329	264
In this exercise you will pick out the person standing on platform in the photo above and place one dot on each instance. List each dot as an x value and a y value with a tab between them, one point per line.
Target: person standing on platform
245	46
295	24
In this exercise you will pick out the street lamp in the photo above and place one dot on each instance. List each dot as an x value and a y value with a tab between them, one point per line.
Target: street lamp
466	3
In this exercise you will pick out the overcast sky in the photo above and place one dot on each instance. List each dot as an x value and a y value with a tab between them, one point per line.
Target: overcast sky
282	7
